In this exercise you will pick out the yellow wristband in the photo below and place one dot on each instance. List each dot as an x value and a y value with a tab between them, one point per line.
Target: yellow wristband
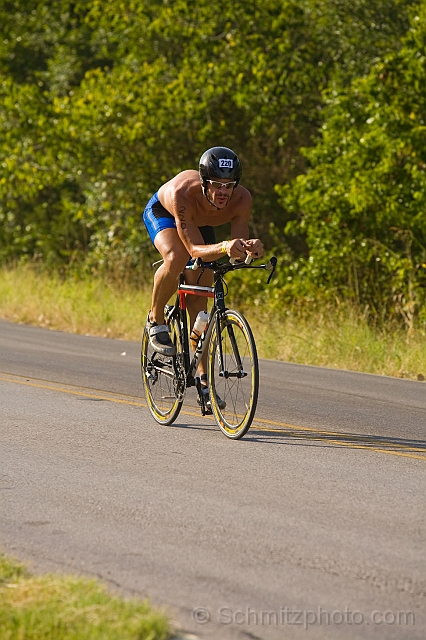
224	246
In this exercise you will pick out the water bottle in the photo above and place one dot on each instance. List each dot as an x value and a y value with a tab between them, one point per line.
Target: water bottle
198	328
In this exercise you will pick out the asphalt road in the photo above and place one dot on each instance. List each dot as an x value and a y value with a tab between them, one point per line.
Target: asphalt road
311	526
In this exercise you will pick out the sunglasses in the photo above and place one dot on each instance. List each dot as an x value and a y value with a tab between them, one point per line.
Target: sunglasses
218	185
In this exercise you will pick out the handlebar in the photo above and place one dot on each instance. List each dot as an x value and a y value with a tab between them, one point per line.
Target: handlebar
232	265
249	259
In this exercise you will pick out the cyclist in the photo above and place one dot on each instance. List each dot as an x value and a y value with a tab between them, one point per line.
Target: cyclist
180	219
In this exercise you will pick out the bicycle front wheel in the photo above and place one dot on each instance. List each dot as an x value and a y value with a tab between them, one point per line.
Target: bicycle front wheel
234	382
163	378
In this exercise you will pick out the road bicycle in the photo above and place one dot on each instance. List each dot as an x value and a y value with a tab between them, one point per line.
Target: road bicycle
232	364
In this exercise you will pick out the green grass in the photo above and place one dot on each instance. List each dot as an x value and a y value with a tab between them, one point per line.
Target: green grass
337	337
52	607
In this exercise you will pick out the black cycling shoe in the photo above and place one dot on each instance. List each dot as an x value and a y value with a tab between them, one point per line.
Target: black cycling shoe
159	339
220	403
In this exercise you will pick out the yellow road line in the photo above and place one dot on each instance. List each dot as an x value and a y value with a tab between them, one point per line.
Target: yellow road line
354	445
310	433
370	440
73	392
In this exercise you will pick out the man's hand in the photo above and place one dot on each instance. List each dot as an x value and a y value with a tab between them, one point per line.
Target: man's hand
238	248
254	248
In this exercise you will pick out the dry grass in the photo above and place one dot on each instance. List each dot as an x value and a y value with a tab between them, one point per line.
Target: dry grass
89	306
341	339
338	338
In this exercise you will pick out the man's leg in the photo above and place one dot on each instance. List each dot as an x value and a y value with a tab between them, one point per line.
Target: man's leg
175	257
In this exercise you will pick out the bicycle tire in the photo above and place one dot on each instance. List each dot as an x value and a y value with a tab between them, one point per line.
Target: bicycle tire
164	393
239	393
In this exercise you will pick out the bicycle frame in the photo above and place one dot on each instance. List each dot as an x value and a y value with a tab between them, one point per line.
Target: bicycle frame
217	293
227	341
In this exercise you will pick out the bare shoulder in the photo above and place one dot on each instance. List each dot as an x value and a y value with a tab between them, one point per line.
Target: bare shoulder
179	190
183	183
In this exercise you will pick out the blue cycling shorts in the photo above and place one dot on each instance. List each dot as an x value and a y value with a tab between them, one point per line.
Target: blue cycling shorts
157	218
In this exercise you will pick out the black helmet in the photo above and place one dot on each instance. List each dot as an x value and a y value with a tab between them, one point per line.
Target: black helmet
220	163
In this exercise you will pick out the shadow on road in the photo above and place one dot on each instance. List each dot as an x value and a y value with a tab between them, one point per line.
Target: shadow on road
314	437
364	441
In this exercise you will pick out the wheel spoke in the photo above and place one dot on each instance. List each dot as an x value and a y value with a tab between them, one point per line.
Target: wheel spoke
239	393
163	388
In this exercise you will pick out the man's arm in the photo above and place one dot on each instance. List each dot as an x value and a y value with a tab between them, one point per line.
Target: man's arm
193	241
191	236
240	231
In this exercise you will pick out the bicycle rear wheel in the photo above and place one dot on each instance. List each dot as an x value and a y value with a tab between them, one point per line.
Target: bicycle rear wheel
163	378
237	383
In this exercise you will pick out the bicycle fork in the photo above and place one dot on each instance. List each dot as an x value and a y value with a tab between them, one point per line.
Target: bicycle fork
223	373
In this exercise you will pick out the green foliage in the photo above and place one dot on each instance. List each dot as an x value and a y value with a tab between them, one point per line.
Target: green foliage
101	102
362	205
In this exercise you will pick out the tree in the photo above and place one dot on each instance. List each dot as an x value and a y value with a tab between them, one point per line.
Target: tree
114	98
362	205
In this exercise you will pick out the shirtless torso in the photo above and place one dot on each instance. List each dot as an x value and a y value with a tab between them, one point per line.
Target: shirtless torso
183	197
